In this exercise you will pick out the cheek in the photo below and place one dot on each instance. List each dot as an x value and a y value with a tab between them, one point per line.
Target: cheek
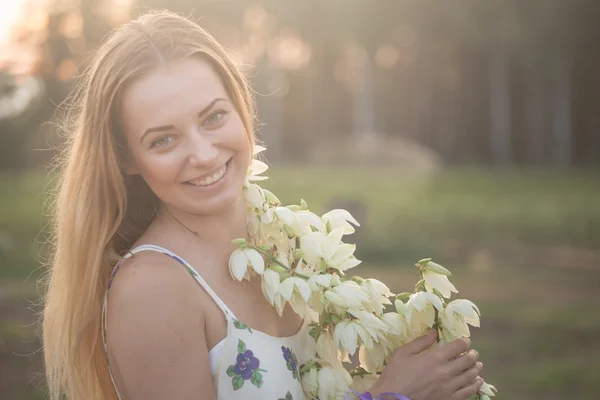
239	140
160	169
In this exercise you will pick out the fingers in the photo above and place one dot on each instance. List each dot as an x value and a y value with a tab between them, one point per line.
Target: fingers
422	343
455	348
463	362
467	377
468	391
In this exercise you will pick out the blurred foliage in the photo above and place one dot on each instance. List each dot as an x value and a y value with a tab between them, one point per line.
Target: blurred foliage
540	335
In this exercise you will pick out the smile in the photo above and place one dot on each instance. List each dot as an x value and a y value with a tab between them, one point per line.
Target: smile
211	179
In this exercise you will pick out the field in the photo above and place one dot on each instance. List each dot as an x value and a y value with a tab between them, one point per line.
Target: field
523	245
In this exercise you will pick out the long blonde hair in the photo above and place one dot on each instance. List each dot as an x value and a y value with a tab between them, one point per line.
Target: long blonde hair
99	211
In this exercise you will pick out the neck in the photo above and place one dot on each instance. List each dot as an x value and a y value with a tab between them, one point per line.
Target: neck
216	230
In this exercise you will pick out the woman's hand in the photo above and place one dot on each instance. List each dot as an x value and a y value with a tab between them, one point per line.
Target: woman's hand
444	373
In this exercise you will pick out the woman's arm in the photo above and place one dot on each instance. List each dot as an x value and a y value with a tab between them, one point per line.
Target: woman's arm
155	332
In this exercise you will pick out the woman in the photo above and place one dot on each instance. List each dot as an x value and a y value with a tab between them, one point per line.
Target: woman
151	193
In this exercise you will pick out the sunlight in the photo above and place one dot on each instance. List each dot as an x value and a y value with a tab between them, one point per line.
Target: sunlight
10	11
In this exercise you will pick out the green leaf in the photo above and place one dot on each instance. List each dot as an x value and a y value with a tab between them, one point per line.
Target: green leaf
241	325
403	296
303	204
424	261
241	346
288	396
256	379
230	371
238	241
437	268
238	382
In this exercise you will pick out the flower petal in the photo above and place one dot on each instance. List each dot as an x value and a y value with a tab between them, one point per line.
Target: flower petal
287	288
256	260
303	288
238	264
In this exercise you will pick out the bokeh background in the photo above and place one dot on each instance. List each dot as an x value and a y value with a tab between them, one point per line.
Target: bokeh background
467	131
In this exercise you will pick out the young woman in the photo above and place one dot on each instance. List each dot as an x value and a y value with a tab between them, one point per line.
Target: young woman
150	198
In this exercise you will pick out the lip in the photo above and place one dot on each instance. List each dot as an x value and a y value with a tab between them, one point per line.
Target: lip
216	186
211	172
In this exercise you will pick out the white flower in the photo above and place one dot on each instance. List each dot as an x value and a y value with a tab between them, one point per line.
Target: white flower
379	292
348	295
420	299
327	349
291	220
270	285
291	283
439	282
310	382
239	260
397	323
351	262
258	149
420	313
372	359
342	257
299	305
487	390
336	254
309	220
340	219
254	196
319	281
347	334
311	246
373	324
256	168
455	317
362	383
305	269
334	383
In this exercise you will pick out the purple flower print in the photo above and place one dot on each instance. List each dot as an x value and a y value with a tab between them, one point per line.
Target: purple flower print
246	367
291	361
246	363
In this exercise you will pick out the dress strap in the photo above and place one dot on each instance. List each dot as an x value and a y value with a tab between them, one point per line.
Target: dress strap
188	267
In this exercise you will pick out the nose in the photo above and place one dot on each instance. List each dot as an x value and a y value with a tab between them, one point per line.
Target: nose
202	150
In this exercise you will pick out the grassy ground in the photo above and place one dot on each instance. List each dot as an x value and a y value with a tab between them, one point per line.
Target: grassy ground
522	245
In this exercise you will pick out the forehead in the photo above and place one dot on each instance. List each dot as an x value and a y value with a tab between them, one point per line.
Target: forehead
169	92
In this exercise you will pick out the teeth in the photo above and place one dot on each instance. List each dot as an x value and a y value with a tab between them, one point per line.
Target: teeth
211	179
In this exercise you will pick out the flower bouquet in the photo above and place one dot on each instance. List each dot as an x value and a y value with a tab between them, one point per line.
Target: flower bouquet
302	259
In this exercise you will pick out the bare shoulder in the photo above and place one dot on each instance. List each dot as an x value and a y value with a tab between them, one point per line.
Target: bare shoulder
156	283
155	329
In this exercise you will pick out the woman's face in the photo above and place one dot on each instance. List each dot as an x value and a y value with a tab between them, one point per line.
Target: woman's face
185	137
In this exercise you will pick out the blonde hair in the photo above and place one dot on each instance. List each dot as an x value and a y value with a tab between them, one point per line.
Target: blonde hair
99	211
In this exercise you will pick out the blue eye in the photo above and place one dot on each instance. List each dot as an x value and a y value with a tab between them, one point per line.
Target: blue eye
161	141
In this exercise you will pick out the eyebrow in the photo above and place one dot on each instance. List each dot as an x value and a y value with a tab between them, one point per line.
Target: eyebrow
163	128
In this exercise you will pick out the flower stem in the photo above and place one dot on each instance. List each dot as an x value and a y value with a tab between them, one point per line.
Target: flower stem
276	261
361	372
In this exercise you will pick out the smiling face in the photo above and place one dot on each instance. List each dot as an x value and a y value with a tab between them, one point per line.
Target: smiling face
185	137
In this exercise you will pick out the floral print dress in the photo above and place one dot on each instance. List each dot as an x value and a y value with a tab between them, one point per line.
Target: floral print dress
253	364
